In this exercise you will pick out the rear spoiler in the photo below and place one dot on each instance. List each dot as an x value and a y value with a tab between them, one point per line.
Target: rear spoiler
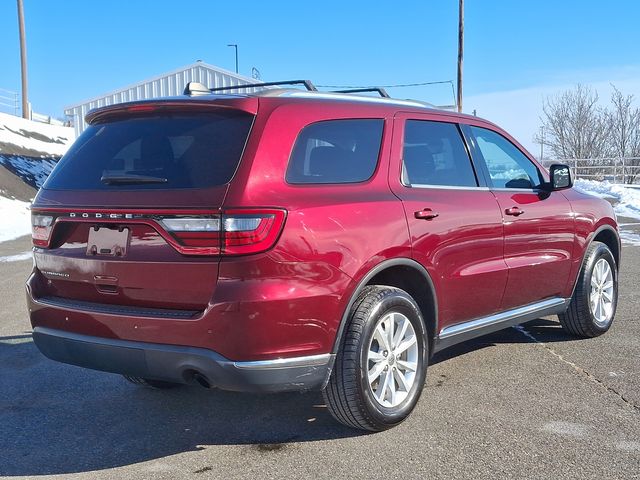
245	104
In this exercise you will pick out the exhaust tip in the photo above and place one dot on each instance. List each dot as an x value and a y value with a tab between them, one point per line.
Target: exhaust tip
201	380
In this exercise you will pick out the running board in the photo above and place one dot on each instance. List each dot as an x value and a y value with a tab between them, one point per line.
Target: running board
462	332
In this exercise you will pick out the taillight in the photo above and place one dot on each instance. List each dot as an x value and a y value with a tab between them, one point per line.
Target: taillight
250	231
234	232
203	232
41	226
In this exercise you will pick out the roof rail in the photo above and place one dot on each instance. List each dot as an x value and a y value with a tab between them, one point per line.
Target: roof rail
307	84
383	93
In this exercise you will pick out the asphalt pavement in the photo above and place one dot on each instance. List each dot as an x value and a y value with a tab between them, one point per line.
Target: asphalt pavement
526	402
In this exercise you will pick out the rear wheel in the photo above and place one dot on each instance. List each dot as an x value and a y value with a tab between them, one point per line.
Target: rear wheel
150	383
595	298
381	365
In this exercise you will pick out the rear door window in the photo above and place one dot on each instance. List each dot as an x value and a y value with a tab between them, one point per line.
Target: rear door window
434	154
167	151
336	151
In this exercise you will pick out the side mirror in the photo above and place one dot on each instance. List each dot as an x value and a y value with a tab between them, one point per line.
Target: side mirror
560	176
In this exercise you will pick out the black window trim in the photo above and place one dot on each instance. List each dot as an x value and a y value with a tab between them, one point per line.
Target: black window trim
481	184
477	154
335	184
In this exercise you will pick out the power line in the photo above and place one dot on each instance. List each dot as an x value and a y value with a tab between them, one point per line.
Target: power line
398	85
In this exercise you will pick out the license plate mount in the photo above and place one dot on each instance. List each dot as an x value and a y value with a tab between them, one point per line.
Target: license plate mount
112	242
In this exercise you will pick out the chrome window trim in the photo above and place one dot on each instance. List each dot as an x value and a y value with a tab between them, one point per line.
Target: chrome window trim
446	187
530	190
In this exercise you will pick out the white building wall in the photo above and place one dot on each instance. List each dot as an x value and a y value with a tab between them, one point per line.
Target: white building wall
168	85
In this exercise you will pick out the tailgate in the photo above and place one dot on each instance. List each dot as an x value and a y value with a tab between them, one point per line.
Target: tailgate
130	216
124	264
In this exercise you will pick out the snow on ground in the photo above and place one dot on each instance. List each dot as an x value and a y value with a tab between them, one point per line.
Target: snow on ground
17	258
629	237
18	133
16	219
626	201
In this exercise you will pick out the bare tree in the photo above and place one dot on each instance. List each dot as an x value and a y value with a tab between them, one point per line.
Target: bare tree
624	138
575	125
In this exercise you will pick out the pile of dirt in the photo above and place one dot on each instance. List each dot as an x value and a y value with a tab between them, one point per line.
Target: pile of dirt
11	149
12	186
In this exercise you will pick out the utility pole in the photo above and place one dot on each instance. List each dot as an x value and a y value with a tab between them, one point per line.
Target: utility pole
541	143
23	61
460	51
235	45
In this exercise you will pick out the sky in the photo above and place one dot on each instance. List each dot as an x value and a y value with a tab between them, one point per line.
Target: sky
517	53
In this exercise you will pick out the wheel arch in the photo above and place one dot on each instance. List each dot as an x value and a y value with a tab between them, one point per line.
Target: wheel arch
408	275
607	235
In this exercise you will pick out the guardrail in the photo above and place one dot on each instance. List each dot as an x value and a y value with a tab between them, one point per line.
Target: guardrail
38	117
616	170
9	101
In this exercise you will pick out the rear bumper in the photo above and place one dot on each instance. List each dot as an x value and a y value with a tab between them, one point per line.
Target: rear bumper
181	364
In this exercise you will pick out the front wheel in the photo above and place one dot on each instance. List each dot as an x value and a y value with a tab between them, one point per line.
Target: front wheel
595	298
381	366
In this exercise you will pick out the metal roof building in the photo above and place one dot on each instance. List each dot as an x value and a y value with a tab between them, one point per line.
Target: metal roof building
166	85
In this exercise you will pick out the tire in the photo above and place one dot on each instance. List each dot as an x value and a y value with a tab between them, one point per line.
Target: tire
586	317
150	383
377	406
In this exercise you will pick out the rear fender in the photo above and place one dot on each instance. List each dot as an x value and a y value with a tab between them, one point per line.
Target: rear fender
394	262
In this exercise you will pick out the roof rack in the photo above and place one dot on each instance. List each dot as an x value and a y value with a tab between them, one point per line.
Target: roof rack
383	93
196	89
307	84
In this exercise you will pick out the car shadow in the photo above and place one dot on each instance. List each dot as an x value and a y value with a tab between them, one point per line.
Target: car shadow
61	419
542	329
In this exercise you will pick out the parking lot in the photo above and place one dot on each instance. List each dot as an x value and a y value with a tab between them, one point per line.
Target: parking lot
525	402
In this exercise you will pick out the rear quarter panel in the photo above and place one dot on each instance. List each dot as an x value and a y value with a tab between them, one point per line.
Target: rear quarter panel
333	235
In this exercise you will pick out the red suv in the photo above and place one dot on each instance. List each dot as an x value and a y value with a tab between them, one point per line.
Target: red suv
304	240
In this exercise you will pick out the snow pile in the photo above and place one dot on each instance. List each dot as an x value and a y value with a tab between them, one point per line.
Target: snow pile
28	152
16	219
626	201
19	136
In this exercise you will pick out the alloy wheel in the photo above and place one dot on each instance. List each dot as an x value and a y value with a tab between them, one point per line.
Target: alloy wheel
392	359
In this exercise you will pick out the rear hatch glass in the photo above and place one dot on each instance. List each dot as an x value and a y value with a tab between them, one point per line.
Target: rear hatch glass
164	151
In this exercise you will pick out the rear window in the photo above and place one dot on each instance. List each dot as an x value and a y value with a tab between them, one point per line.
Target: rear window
167	151
336	151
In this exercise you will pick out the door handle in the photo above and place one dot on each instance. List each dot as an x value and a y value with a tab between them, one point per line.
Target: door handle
106	284
514	211
426	214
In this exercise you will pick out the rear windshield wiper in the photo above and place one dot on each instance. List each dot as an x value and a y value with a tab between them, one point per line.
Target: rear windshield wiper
122	179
